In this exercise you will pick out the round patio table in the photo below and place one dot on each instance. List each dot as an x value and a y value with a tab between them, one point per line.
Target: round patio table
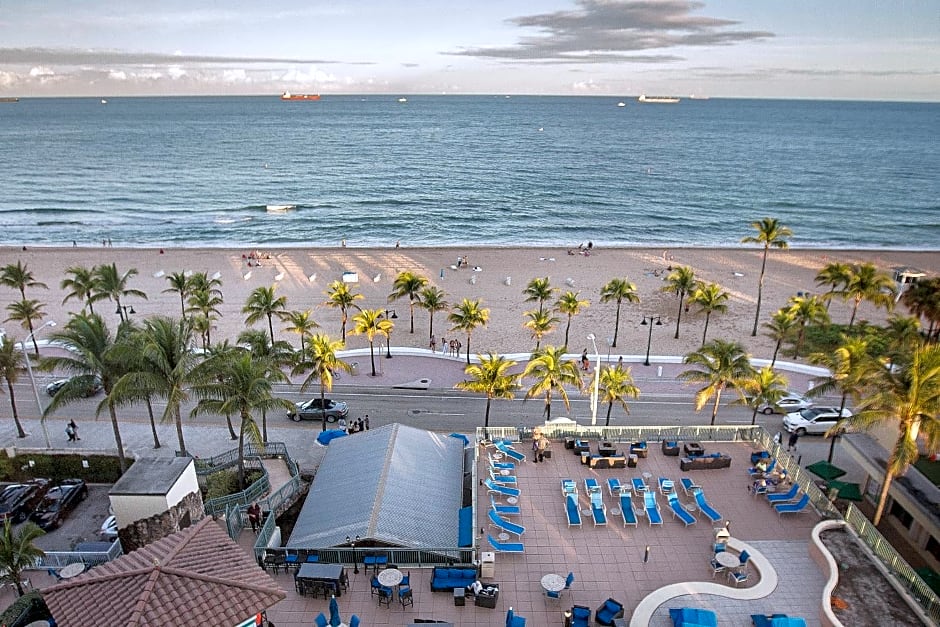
728	560
72	570
512	500
503	536
553	582
390	577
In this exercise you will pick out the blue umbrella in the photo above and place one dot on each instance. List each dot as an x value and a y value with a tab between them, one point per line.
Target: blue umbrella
325	437
334	612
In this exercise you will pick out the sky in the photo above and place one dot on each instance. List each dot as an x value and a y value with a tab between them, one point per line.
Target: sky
820	49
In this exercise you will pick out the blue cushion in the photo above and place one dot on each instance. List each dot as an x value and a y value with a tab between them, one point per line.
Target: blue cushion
612	606
581	612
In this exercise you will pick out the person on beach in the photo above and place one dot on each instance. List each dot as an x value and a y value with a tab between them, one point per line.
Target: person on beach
341	424
366	422
360	426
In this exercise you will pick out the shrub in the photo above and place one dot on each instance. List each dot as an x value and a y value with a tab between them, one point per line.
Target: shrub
225	482
101	468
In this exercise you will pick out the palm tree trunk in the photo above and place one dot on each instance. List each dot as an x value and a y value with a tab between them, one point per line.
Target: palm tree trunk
372	355
343	326
776	350
679	315
153	424
271	329
16	417
486	417
799	341
754	418
264	425
412	307
705	333
231	429
430	323
760	290
182	305
117	436
322	407
616	326
882	497
468	349
715	408
32	335
567	328
241	451
858	300
610	406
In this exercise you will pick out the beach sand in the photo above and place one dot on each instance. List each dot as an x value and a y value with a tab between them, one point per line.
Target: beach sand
302	275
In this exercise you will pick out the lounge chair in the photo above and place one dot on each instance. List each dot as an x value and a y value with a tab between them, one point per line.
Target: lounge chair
783	497
505	525
504	510
793	508
753	470
504	479
599	512
614	486
692	617
639	486
500	489
705	507
572	511
680	512
501	465
666	486
509	452
688	486
652	509
505	547
626	509
568	486
590	485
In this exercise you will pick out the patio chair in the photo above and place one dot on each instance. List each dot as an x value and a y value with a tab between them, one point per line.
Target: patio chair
608	611
569	580
291	560
320	620
381	562
504	510
568	486
614	486
626	509
678	511
405	597
510	452
652	509
793	508
688	486
312	557
716	567
666	486
514	621
783	497
744	557
503	479
375	585
368	561
551	594
500	489
737	576
753	470
705	507
572	511
385	597
504	525
505	547
639	486
580	616
406	580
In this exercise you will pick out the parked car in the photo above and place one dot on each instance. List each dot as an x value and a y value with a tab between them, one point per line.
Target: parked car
813	420
53	388
109	528
311	410
58	502
18	501
787	404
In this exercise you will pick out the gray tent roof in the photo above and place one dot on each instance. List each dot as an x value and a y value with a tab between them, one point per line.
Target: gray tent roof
394	484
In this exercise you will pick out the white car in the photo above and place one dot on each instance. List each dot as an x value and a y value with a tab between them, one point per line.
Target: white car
813	420
109	528
787	404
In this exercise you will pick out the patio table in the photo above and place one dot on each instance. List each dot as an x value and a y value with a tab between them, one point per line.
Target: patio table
728	560
72	570
322	572
390	577
553	582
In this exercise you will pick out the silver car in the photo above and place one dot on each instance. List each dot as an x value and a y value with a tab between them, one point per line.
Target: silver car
311	410
813	420
787	404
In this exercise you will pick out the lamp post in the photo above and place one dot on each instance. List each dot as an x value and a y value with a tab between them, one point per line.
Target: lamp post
597	380
124	310
32	379
389	315
355	556
649	340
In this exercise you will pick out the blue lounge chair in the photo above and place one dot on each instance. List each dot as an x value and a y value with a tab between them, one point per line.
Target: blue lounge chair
639	486
590	485
753	470
505	525
652	509
689	616
666	486
793	508
688	486
510	452
505	547
783	497
599	512
705	507
680	512
626	509
501	489
568	486
514	621
503	479
614	486
501	465
572	511
504	510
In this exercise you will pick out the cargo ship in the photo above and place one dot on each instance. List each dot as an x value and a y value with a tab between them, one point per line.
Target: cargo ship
9	99
289	96
658	99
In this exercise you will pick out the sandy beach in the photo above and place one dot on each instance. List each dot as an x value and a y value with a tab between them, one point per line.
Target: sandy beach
496	275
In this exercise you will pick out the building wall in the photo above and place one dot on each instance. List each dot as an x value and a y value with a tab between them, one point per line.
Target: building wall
186	512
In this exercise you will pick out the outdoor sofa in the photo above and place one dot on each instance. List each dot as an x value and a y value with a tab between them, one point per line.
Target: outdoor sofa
705	462
450	577
612	461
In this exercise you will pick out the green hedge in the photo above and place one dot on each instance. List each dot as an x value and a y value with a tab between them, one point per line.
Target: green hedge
225	482
30	602
101	468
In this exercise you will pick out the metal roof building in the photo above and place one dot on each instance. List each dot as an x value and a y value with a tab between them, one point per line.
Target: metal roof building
394	485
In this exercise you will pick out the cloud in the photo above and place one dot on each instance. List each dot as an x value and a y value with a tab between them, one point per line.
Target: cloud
607	31
74	56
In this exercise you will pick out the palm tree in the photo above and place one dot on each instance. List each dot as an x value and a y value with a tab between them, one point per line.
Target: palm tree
806	310
490	377
835	276
551	371
720	364
371	322
540	323
179	284
408	284
432	299
770	234
341	296
467	316
218	353
538	290
301	323
112	285
262	303
25	312
923	300
780	328
89	357
866	282
682	281
18	553
710	298
275	356
614	386
236	383
11	364
904	335
909	398
19	277
570	305
763	387
619	290
205	304
322	361
81	285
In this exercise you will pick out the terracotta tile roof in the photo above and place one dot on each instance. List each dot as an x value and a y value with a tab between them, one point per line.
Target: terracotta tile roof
197	576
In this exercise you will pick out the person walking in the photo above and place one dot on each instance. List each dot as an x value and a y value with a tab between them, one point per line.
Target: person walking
254	516
443	346
433	344
367	422
791	443
71	430
585	362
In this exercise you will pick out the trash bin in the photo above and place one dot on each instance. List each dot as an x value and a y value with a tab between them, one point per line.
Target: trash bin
487	565
354	368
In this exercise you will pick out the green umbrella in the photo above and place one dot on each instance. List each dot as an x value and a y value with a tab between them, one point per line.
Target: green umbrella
825	470
847	491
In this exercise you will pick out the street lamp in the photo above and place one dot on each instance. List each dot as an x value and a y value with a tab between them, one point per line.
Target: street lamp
389	315
32	379
355	557
124	310
649	320
597	381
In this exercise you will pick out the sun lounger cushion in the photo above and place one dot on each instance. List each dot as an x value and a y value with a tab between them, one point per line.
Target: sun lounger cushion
572	511
793	508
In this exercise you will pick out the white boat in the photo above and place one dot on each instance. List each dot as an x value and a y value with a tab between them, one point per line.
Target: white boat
280	208
697	97
103	101
621	104
402	100
657	99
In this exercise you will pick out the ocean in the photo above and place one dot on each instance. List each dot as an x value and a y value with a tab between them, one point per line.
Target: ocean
467	170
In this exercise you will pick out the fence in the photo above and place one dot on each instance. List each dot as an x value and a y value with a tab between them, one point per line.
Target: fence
58	559
721	433
349	556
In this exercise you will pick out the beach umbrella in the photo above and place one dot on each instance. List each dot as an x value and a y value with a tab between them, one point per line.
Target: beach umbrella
325	437
334	612
825	470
